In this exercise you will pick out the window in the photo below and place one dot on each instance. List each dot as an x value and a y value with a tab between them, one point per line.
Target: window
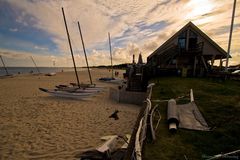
182	40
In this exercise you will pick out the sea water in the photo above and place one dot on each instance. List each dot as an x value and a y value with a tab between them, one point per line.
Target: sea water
25	70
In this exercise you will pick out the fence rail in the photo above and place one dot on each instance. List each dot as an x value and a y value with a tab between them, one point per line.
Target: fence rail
134	150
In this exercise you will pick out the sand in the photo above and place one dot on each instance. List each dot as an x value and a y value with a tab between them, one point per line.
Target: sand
34	125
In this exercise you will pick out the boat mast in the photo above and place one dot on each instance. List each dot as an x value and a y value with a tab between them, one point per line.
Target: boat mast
90	77
4	65
230	35
110	49
69	41
35	64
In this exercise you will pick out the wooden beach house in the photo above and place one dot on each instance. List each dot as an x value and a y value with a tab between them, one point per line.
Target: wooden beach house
189	52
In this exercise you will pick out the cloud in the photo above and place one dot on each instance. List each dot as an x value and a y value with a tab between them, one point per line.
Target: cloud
150	46
235	58
135	26
13	29
18	58
41	48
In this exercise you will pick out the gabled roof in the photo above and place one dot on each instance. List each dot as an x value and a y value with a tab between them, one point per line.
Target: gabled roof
196	29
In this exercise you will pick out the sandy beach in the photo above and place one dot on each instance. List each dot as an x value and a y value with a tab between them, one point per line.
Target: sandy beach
34	125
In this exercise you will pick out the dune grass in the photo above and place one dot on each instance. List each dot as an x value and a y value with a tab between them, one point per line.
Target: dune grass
219	102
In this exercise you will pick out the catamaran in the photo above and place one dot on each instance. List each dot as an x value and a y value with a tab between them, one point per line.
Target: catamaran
6	70
111	79
64	94
79	91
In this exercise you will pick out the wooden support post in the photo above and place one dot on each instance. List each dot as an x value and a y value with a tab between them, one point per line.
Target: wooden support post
187	40
204	63
221	63
191	95
212	61
176	62
194	66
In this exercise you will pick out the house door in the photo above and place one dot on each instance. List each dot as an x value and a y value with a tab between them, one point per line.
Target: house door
192	43
193	40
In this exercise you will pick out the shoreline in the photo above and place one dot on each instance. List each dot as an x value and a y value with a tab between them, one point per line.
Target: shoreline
50	70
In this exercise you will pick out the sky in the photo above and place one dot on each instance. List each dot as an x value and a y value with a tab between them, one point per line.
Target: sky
36	28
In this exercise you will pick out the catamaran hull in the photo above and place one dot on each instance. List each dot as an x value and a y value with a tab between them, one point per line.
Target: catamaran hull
73	90
111	80
67	94
78	90
85	86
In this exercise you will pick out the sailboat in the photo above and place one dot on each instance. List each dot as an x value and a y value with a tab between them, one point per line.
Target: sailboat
64	94
74	86
111	79
35	66
6	70
51	73
76	92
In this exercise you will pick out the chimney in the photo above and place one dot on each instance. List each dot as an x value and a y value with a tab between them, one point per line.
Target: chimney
140	61
133	59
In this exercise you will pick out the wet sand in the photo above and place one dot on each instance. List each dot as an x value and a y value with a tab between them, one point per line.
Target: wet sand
34	125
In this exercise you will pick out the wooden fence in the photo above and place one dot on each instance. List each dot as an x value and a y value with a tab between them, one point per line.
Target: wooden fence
134	150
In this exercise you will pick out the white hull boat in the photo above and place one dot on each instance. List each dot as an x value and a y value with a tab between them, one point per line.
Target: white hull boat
82	85
77	89
74	95
50	74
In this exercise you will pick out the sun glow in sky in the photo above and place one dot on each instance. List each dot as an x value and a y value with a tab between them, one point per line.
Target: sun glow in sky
200	7
36	28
